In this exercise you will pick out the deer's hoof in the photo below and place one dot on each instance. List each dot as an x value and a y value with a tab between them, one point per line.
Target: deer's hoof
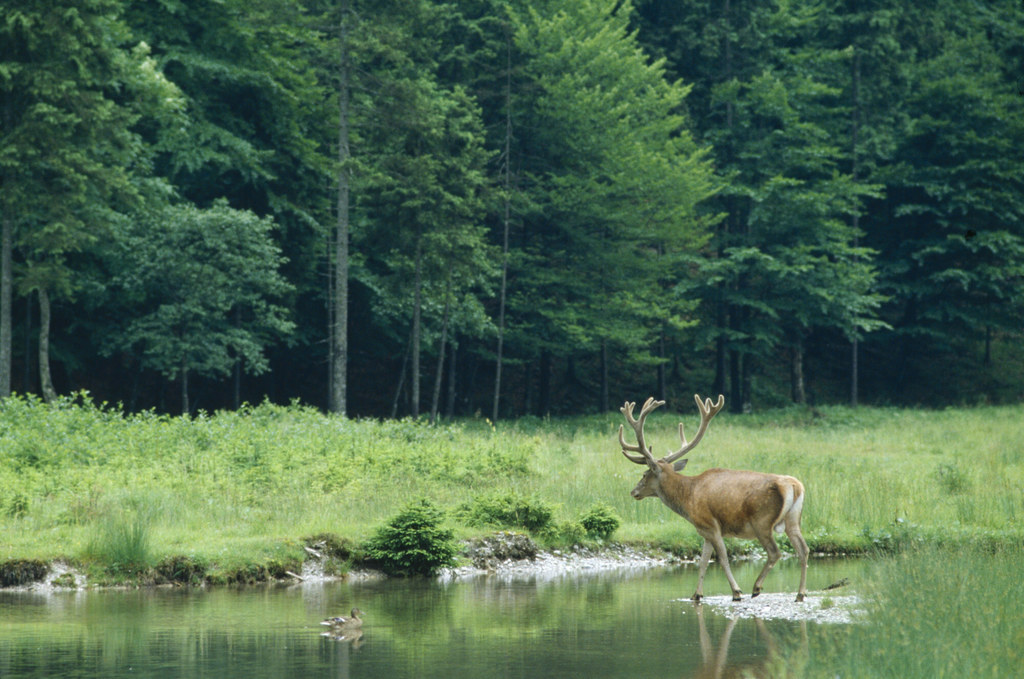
697	597
737	596
800	597
755	593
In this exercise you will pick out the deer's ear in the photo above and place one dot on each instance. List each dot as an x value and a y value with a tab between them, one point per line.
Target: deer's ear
680	465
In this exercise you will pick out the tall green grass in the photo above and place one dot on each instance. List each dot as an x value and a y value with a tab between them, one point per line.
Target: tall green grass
122	543
936	612
249	486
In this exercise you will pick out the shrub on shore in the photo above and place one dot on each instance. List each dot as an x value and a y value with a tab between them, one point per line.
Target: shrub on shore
413	542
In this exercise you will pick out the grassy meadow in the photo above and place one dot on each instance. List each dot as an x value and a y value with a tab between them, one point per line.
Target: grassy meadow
242	491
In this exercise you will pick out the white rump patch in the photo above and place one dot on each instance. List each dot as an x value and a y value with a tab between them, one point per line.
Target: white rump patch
788	507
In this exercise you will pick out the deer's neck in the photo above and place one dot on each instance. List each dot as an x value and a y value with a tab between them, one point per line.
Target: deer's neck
675	491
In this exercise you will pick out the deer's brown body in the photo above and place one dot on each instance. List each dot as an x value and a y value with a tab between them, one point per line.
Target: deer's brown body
721	503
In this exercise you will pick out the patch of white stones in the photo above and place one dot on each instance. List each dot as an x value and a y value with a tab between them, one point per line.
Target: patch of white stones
819	607
60	577
558	564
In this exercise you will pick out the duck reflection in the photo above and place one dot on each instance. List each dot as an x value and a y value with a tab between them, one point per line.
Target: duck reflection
776	661
348	629
353	637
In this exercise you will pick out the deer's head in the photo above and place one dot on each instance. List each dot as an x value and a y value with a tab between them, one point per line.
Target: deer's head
650	482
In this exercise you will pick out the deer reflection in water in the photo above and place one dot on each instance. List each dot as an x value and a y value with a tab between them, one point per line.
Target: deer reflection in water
774	663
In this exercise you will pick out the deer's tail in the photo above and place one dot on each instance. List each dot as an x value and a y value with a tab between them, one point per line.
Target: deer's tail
792	502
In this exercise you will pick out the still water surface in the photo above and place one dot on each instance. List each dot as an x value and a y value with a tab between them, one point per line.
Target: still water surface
623	623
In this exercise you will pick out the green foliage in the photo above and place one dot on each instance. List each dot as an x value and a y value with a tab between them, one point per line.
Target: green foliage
608	178
754	185
413	542
72	161
600	521
506	509
202	290
565	533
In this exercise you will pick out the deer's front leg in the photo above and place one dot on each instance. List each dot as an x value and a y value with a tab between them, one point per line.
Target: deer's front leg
723	556
705	556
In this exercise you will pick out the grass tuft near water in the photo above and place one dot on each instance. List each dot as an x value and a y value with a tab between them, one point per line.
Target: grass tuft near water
121	544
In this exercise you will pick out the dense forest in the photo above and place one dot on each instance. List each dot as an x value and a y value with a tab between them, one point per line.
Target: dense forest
511	207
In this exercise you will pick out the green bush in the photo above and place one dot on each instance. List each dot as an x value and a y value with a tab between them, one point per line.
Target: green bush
413	542
506	510
567	533
600	521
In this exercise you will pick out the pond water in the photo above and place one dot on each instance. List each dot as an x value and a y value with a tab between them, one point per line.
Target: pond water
613	623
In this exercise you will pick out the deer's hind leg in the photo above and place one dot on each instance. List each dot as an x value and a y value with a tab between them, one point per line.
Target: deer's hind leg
767	541
796	538
802	552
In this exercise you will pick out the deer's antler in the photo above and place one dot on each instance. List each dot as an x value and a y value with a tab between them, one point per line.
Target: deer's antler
707	411
646	456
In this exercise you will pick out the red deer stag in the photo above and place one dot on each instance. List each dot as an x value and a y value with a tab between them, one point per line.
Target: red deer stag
720	502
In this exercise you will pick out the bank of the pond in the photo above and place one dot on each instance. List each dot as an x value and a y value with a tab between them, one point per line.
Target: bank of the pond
513	557
330	557
501	553
240	497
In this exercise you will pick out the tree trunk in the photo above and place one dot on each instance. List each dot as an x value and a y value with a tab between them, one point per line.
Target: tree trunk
417	300
545	383
721	359
854	148
237	385
662	368
748	385
605	404
339	331
401	378
507	182
436	398
186	408
735	390
449	406
796	373
854	372
45	381
27	386
6	287
527	387
237	377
